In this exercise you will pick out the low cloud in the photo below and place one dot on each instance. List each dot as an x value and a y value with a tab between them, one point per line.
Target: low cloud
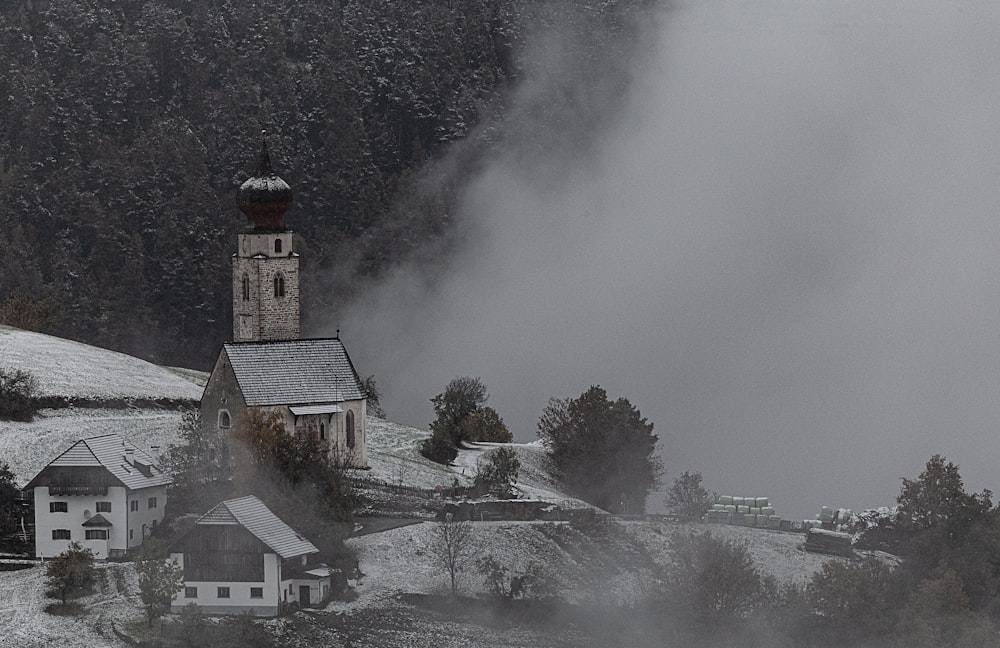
782	248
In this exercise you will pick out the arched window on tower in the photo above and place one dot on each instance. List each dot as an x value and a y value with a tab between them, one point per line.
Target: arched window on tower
279	286
350	429
225	421
277	246
246	288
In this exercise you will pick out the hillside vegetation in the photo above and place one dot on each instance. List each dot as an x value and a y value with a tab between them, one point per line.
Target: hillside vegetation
126	128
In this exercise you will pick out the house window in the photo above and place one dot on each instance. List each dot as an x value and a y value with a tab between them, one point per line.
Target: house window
97	534
151	503
133	505
58	507
246	288
350	429
277	246
60	534
256	592
225	421
190	592
131	533
223	592
104	507
279	286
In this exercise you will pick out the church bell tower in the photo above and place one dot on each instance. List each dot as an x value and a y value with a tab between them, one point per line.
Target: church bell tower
265	266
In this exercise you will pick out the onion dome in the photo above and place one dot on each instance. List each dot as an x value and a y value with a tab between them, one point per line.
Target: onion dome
265	197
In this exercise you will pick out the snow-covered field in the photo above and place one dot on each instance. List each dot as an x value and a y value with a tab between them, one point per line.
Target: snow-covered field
76	370
28	447
25	624
394	457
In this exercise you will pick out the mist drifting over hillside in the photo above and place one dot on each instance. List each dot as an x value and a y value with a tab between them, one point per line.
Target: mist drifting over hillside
781	243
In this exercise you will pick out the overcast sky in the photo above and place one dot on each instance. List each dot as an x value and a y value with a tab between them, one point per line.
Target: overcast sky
784	249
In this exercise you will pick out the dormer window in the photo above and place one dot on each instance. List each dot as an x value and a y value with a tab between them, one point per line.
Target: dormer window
246	288
277	246
279	286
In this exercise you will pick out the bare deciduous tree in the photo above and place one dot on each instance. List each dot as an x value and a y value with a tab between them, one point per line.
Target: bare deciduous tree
453	547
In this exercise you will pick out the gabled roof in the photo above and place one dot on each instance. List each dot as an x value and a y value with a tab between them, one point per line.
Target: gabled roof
110	452
97	521
292	372
251	514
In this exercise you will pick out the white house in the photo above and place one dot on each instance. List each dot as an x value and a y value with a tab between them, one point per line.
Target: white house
103	493
241	557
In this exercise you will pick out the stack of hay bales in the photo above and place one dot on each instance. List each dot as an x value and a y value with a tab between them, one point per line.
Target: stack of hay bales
830	519
744	511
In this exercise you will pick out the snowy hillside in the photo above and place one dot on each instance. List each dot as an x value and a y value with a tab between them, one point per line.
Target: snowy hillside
76	370
394	457
79	371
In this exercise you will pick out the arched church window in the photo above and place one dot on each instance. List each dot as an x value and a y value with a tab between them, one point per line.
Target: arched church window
279	286
322	431
246	288
277	246
350	429
225	421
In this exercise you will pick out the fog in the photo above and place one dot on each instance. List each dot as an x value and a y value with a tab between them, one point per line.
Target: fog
781	244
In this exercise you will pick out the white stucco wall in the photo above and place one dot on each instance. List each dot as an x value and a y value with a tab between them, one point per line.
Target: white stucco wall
80	507
239	592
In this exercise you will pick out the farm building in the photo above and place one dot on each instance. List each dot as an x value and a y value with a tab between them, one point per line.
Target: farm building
240	557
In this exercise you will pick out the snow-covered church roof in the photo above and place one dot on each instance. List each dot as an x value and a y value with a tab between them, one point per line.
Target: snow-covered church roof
291	372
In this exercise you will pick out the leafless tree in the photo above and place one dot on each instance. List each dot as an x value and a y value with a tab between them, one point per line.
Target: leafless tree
453	547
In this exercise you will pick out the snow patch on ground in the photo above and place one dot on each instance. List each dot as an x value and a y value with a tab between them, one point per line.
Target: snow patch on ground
394	457
76	370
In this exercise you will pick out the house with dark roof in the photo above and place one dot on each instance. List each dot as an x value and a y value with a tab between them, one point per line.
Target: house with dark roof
103	493
311	384
241	557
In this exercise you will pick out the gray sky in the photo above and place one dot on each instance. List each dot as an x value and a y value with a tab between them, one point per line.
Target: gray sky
783	249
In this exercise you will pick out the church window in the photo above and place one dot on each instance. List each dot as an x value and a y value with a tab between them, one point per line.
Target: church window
279	286
322	431
350	429
277	246
246	288
225	421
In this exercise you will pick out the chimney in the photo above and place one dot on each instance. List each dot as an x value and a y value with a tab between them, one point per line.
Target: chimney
129	455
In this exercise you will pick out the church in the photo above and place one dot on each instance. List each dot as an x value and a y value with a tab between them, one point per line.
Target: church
311	384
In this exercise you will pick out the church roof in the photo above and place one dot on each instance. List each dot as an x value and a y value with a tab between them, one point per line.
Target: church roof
291	372
129	465
251	514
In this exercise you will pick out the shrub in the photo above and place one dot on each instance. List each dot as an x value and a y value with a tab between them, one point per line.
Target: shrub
714	581
497	470
17	394
70	572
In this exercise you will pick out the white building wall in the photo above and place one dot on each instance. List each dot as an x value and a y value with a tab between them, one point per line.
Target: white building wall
79	508
126	529
141	521
239	600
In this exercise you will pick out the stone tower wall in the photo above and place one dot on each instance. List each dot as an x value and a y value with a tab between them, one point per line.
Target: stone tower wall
265	316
